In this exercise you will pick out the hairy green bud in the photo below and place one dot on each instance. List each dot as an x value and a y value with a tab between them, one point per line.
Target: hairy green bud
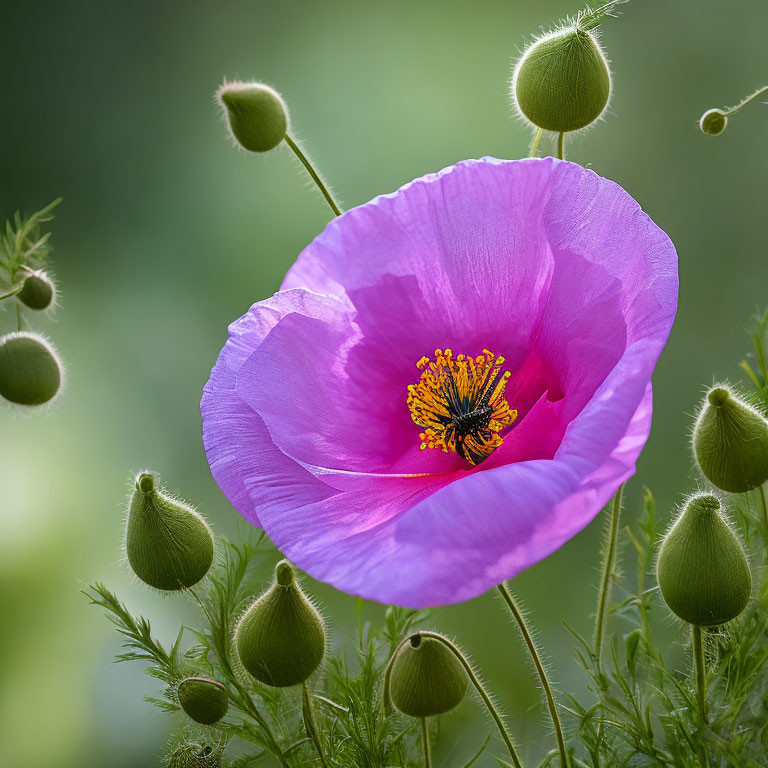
256	114
562	81
702	569
281	638
730	441
30	371
713	122
37	291
197	756
426	678
169	545
203	699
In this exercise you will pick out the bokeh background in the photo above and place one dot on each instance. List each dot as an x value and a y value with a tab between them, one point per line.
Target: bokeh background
167	233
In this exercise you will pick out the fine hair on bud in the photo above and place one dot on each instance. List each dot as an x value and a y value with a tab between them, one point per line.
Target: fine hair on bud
197	756
702	570
730	441
204	700
426	678
562	81
37	291
169	545
256	115
30	370
713	122
281	638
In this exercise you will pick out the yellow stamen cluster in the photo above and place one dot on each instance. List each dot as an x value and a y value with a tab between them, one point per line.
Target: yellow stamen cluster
460	403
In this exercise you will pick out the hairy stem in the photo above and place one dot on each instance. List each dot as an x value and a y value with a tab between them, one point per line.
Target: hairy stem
561	145
10	293
765	507
518	616
609	564
314	174
492	711
700	671
535	143
743	103
310	725
425	742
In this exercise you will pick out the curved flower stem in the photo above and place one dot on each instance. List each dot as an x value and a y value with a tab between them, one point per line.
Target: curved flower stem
492	711
535	143
10	293
309	723
518	616
561	145
609	563
700	670
744	102
425	742
314	174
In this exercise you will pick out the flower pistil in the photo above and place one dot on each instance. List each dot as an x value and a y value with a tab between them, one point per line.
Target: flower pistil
460	403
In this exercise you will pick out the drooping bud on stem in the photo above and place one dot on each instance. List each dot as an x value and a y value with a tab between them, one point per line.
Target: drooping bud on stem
713	122
562	82
169	545
281	637
426	678
204	700
37	291
30	371
256	115
702	569
730	441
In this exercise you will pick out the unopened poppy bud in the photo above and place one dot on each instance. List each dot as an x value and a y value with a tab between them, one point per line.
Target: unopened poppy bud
30	371
203	699
702	569
256	114
197	756
169	545
37	291
562	81
281	637
426	678
730	441
713	122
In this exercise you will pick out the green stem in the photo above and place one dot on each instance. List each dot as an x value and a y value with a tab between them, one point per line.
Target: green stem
19	319
700	670
518	616
561	145
741	104
425	742
314	174
492	711
310	725
609	564
765	507
535	143
10	293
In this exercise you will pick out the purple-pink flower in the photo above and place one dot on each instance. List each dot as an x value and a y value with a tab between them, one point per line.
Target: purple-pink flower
451	383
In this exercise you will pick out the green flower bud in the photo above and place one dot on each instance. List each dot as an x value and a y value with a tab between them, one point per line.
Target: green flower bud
30	371
730	441
37	291
197	756
256	114
203	699
281	637
426	678
713	122
562	82
169	545
702	570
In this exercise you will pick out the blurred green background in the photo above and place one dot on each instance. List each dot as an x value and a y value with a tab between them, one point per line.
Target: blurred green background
167	233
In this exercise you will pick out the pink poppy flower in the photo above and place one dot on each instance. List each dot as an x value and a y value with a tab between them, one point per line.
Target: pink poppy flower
451	383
